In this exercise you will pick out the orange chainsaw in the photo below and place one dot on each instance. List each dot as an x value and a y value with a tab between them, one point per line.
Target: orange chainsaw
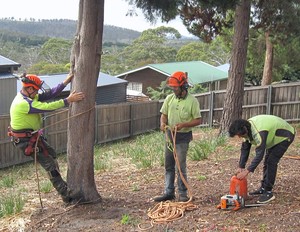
234	202
236	199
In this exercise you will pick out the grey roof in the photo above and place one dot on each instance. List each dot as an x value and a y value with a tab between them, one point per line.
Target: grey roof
55	79
7	62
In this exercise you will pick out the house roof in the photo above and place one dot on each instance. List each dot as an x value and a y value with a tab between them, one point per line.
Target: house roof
7	62
224	67
198	71
54	79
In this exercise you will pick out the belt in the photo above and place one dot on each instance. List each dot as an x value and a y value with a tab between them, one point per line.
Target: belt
23	134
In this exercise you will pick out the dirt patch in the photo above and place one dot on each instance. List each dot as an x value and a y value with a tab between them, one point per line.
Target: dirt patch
130	192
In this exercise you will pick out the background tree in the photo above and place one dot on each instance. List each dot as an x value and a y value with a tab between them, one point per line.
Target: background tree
163	91
277	20
85	60
151	47
56	51
215	53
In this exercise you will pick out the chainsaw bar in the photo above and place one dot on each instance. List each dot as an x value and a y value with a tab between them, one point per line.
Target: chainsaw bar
253	205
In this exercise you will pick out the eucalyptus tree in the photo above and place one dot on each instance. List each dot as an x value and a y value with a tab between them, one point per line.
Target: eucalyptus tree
85	63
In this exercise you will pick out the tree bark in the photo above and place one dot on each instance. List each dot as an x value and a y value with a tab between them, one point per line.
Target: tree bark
85	63
235	87
267	74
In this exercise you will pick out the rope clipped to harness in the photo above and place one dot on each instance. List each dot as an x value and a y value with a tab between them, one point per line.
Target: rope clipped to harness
169	211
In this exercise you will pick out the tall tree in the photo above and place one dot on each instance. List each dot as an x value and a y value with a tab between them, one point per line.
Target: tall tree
85	60
235	87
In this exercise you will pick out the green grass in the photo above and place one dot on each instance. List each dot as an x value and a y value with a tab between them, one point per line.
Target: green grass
46	186
128	220
200	149
147	150
201	177
7	181
11	204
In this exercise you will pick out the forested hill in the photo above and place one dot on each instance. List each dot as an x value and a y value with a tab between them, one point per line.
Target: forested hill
64	28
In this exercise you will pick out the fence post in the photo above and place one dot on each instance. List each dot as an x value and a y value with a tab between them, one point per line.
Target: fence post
211	109
269	99
96	126
131	120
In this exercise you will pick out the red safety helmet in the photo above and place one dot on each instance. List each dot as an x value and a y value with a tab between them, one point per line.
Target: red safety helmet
177	79
32	80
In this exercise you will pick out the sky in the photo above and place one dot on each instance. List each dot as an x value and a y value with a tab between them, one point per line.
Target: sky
114	13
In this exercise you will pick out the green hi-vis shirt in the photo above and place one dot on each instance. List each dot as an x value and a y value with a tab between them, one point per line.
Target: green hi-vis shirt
270	124
25	113
181	110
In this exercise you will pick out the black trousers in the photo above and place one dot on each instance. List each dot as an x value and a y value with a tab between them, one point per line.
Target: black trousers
48	162
272	158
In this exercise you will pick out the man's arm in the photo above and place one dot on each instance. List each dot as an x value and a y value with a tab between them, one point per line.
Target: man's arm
259	151
163	122
245	150
192	123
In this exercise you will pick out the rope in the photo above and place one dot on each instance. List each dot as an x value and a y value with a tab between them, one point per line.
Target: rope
291	157
36	169
169	211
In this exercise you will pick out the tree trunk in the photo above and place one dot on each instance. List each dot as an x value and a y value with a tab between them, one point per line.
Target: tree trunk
267	74
235	86
85	61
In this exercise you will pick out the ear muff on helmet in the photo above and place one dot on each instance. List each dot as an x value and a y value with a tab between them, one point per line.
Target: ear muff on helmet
31	80
178	79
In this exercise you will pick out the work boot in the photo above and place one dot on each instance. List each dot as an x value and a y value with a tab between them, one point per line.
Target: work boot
259	191
164	197
266	197
183	198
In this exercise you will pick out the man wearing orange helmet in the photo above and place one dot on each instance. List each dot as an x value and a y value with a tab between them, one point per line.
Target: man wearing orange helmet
180	111
26	121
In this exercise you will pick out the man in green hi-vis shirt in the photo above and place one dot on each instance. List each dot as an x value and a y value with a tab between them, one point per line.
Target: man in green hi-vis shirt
272	136
26	123
179	113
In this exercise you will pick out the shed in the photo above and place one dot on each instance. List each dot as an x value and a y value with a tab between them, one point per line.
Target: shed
7	86
153	74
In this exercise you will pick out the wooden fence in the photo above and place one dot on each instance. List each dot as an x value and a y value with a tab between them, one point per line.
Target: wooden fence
119	121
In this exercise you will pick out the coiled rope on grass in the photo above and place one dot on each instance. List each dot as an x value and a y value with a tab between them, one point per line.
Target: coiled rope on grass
169	211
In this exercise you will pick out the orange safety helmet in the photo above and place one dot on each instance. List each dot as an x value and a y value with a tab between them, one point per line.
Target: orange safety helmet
177	79
32	80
